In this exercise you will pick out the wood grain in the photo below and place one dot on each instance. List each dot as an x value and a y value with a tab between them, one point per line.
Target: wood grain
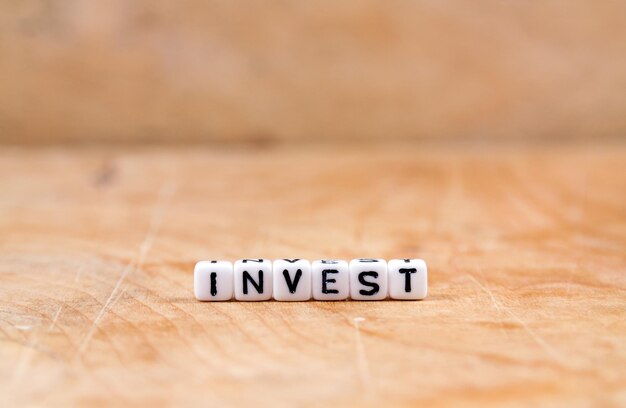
525	248
118	71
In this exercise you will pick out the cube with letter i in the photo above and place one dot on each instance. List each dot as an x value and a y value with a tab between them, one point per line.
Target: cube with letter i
213	280
408	279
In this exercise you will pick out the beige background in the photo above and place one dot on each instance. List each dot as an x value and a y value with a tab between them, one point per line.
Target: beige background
297	70
487	138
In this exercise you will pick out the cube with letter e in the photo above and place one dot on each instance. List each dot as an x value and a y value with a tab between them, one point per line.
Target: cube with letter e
330	279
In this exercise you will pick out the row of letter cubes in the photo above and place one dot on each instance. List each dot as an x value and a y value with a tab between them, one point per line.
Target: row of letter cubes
299	279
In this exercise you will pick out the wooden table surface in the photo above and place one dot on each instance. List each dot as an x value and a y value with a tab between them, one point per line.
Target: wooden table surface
525	247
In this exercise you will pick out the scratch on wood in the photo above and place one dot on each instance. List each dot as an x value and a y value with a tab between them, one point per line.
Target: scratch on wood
361	358
570	276
551	351
530	212
78	273
495	303
25	359
165	194
56	317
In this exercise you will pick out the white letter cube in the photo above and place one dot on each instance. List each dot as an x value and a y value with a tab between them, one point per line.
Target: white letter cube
253	279
213	280
330	280
408	279
292	279
368	279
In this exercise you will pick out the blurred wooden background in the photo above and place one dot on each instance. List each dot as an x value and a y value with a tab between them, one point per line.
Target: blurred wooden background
324	70
486	137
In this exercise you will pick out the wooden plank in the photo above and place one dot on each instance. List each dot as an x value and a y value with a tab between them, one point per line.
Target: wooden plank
525	247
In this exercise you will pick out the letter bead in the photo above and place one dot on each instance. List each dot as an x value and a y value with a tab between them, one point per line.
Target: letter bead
330	280
253	279
292	280
408	279
368	279
213	280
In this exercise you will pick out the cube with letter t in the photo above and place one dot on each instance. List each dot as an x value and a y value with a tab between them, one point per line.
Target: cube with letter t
408	279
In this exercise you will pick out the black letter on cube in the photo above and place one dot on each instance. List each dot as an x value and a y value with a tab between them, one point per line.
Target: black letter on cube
292	286
213	283
257	286
407	277
373	285
325	280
